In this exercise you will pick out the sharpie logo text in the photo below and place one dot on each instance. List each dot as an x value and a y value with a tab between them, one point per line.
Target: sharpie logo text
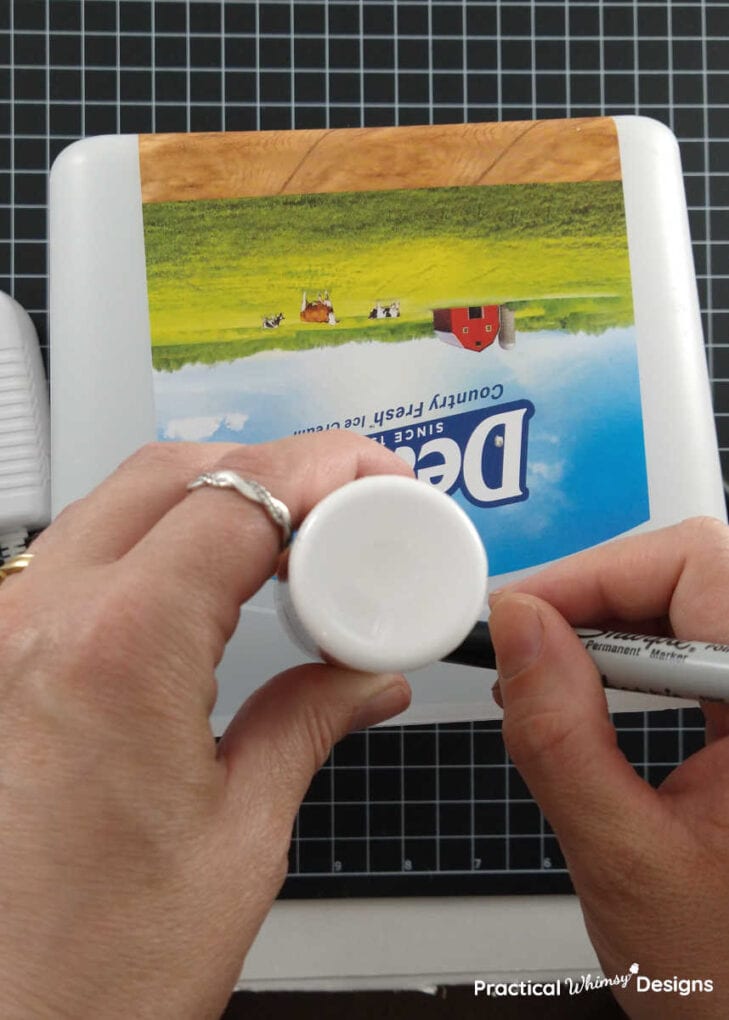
643	640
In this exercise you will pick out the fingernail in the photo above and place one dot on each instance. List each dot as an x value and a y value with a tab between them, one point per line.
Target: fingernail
383	705
496	694
519	643
495	596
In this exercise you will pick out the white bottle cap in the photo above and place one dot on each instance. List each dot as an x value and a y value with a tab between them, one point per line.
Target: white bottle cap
385	574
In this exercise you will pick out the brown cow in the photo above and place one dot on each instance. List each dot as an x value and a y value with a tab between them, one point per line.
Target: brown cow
317	311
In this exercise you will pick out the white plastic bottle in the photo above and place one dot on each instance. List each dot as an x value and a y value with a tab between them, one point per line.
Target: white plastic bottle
24	431
385	574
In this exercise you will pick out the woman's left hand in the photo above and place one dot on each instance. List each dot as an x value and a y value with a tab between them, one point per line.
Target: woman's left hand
137	859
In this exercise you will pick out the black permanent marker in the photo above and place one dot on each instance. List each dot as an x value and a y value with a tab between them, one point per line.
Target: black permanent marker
632	662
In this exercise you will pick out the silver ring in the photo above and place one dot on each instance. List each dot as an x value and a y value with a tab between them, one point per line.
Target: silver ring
275	508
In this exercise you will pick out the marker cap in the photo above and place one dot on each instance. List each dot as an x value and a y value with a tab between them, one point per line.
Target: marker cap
385	574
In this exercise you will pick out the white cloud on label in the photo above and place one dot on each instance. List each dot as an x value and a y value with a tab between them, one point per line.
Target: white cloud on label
192	429
549	472
197	429
235	421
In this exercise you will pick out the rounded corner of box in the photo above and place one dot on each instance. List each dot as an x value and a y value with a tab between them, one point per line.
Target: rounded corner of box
89	151
639	129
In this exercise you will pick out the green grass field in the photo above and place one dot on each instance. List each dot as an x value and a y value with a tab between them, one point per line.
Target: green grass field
240	343
215	268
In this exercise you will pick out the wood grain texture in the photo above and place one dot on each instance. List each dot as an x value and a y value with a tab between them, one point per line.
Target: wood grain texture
180	167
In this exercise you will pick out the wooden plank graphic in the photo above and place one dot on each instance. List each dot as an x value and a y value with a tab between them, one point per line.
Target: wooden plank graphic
180	167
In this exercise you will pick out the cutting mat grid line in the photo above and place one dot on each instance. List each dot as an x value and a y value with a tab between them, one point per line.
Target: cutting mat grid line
436	809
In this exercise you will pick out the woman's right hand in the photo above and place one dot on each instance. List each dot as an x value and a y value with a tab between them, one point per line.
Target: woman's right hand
651	866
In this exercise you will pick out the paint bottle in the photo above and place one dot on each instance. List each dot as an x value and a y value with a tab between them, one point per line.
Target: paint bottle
385	574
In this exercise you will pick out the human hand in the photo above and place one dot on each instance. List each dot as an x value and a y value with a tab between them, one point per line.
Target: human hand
651	867
137	860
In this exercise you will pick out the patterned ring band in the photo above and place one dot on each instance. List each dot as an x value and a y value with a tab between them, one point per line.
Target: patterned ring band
15	565
276	510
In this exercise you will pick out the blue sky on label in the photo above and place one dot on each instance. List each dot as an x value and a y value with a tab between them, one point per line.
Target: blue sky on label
586	472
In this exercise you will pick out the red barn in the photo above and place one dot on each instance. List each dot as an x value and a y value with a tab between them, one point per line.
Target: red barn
474	328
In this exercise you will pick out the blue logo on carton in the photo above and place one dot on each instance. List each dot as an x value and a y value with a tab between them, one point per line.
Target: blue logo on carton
481	453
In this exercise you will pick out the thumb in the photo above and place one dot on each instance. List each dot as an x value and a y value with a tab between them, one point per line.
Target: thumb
556	726
285	731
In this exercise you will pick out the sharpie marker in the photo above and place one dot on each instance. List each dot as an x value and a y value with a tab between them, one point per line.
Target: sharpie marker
631	662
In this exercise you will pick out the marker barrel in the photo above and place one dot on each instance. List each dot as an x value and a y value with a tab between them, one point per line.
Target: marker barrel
656	665
666	666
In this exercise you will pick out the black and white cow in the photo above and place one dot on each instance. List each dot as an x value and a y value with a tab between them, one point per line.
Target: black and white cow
273	321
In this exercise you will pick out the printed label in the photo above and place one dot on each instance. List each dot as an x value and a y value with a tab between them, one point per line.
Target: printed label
482	332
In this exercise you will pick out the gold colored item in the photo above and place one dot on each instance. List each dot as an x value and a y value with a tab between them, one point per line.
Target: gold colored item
15	565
